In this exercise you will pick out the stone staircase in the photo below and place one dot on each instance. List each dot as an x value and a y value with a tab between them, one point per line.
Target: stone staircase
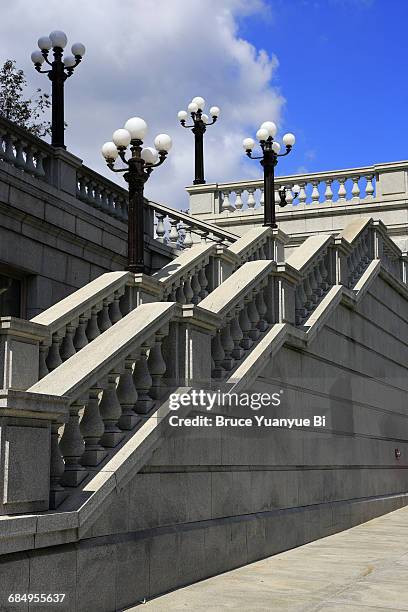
90	416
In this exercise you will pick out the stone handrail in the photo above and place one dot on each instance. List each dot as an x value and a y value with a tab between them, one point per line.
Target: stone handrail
22	150
354	185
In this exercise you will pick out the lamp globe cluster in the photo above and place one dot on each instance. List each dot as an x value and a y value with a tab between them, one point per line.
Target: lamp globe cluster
270	152
200	122
133	133
57	41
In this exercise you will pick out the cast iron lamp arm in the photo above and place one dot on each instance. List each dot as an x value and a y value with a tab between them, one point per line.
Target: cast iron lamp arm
288	150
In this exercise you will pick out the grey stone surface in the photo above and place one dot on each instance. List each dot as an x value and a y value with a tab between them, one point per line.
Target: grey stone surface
364	568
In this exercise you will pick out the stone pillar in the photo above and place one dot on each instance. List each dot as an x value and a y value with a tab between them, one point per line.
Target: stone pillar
284	287
187	348
62	170
25	449
19	352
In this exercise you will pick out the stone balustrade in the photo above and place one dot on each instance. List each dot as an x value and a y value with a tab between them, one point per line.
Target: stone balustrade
102	194
354	186
110	386
23	150
117	380
245	304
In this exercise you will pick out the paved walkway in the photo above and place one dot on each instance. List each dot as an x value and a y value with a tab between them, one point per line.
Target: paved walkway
360	570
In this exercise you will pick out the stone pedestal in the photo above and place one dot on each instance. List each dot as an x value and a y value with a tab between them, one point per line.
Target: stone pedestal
25	449
19	352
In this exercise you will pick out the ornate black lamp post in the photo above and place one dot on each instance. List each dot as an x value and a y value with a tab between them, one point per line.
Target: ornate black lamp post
269	159
139	166
61	69
200	123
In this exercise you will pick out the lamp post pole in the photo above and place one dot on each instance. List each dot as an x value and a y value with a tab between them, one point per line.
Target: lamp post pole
268	160
137	170
61	69
199	126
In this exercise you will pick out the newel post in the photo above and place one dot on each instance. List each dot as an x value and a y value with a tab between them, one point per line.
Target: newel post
27	421
187	348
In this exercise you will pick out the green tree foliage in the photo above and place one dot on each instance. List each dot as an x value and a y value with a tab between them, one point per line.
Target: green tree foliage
25	112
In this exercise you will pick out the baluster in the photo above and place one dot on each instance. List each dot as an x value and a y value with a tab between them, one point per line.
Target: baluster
262	198
127	396
143	382
67	346
180	296
228	346
304	299
369	190
309	302
313	286
355	191
188	239
173	234
218	355
328	194
19	160
157	366
318	280
245	326
43	369
238	200
302	197
111	204
289	196
196	288
324	274
342	190
202	279
315	192
104	321
72	447
237	336
57	467
251	199
82	189
92	429
111	411
39	158
98	198
9	149
188	291
226	204
54	358
30	167
92	330
253	315
160	229
261	307
115	313
80	338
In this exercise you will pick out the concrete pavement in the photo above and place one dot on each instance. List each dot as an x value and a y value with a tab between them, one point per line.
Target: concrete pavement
362	569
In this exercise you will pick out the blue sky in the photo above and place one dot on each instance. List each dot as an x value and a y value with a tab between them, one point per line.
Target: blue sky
332	71
343	69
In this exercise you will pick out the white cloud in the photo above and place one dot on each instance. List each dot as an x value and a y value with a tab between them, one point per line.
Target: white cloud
149	59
